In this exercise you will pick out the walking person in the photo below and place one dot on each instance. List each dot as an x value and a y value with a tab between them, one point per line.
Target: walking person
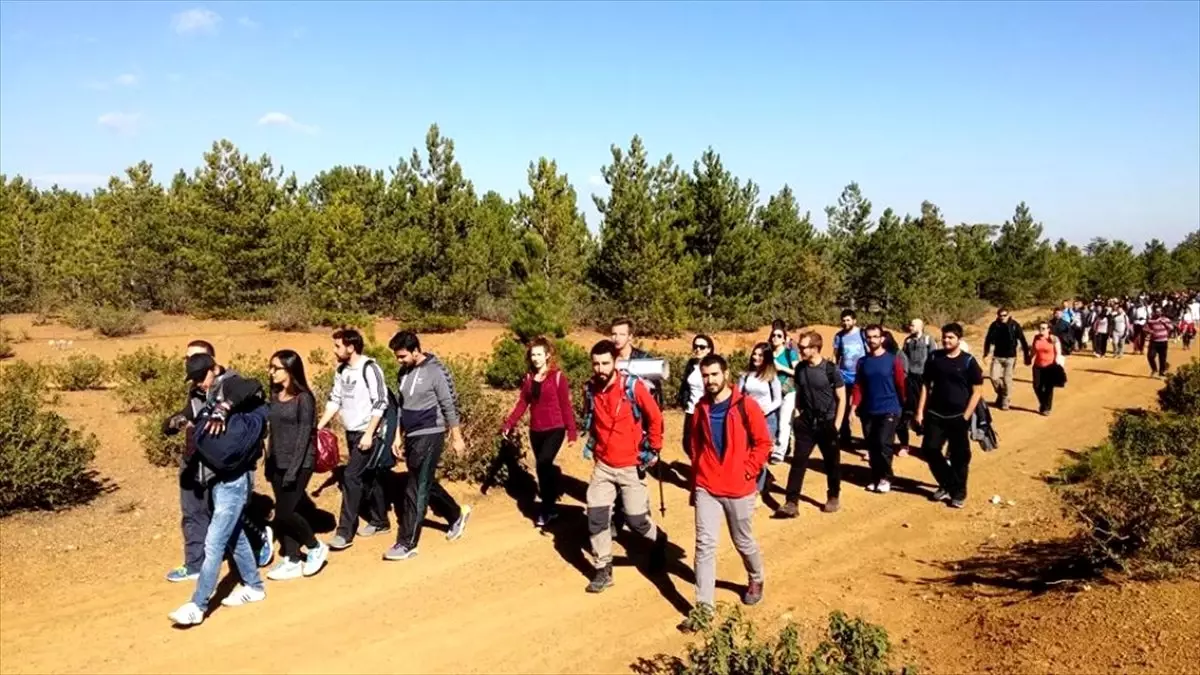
1061	329
1047	360
691	385
546	393
730	446
290	459
1120	327
360	395
625	434
1158	336
953	387
849	345
821	401
785	359
879	393
1004	337
918	345
1100	332
1141	317
428	412
1187	324
761	382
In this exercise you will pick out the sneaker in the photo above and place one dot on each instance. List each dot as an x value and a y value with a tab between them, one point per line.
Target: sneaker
884	487
788	510
459	526
775	459
941	496
244	595
372	530
754	593
181	573
315	560
339	543
400	552
187	615
832	505
286	569
872	487
698	620
267	553
958	503
602	580
903	451
545	519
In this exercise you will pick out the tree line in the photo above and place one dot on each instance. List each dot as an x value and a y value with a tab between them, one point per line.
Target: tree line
675	248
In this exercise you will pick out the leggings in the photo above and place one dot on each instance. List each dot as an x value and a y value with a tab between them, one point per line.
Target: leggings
1157	351
546	445
1100	341
292	527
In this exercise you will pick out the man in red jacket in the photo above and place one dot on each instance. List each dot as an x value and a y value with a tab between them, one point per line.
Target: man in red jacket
625	442
730	443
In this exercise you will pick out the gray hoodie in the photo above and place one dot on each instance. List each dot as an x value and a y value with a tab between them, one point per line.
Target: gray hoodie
428	402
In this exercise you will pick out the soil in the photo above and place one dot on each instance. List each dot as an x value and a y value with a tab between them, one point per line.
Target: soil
82	590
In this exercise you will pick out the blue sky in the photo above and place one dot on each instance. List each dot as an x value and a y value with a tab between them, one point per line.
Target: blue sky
1090	112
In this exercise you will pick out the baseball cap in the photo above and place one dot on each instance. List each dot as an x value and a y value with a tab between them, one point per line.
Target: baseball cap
198	366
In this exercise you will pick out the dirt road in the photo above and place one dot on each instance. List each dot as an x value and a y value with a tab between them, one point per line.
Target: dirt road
83	591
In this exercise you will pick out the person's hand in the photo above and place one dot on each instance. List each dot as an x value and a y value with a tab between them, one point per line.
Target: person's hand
215	427
919	419
458	445
653	458
398	447
365	443
177	422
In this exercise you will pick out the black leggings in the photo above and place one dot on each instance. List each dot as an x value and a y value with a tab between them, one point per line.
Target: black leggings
1043	391
294	530
824	436
1157	350
546	445
1100	342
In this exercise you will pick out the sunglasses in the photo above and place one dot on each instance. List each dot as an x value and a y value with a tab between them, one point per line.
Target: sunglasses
804	347
777	335
698	347
272	368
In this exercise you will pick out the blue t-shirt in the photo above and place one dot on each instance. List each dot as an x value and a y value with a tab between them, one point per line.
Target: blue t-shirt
851	346
716	421
878	383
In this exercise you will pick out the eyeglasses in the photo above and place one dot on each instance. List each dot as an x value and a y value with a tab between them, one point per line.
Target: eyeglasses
272	368
804	347
700	347
777	335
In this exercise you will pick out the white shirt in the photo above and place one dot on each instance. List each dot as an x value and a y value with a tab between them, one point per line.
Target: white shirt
768	395
695	389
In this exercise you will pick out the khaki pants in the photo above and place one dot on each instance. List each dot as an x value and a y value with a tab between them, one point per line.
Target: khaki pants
1003	382
606	483
739	516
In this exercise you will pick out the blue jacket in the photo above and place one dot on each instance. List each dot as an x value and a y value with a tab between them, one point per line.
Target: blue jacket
234	451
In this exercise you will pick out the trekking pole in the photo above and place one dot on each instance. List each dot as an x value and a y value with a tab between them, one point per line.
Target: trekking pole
662	500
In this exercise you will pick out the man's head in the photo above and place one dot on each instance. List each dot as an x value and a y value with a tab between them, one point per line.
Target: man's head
347	343
874	334
916	326
1058	313
200	347
713	369
407	348
621	333
604	360
951	335
1002	315
849	319
810	345
202	371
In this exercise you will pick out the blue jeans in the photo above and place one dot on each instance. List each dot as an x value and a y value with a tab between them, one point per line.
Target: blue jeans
773	430
229	498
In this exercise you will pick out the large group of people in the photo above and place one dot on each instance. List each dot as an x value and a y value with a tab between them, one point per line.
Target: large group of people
789	400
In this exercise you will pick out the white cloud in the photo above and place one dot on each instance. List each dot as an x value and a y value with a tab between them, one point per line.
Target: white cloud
278	119
71	180
126	80
196	21
247	22
125	124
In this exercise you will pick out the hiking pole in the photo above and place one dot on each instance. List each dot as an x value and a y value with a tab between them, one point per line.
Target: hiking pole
662	500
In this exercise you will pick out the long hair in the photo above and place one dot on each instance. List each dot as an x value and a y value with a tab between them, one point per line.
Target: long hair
766	372
551	355
294	366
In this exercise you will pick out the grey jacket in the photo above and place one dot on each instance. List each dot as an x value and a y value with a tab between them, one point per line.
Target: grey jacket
428	402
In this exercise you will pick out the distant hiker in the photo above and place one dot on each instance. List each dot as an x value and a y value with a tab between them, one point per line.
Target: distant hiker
546	393
621	332
360	395
1061	329
1141	317
289	466
1100	331
1121	331
953	387
786	360
1187	324
820	401
918	345
879	395
623	449
849	345
228	437
194	486
730	445
428	412
761	382
1047	360
1004	336
691	384
1158	334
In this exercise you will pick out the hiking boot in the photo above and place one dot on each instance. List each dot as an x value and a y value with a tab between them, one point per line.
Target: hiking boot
832	505
754	593
658	554
698	620
181	573
941	496
788	510
460	526
400	552
602	580
187	615
372	530
339	543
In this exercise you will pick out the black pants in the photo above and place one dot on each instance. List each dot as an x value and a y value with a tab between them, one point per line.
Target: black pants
422	490
687	435
546	445
1043	391
195	511
912	396
1157	350
291	528
845	438
954	433
1100	343
824	436
879	430
358	484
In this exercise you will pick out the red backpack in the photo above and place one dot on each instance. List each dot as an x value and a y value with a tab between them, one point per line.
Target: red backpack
327	454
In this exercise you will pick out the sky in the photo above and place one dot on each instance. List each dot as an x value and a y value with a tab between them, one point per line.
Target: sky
1087	111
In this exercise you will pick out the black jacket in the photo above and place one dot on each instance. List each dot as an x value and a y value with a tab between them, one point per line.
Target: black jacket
685	390
1003	338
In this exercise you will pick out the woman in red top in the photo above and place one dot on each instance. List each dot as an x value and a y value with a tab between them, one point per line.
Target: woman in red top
1047	353
547	395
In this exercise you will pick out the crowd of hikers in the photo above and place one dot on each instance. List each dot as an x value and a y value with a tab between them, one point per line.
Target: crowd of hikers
789	399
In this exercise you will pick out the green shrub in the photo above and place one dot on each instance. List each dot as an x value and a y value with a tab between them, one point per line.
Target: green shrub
365	323
290	315
576	364
81	372
6	345
318	357
107	320
151	383
482	414
1155	434
1181	394
433	323
507	365
43	462
539	310
730	645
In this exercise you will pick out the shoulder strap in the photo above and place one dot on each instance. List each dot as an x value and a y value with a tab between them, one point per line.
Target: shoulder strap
631	395
790	362
741	406
862	336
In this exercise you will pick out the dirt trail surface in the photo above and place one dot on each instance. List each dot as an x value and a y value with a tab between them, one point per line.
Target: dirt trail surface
83	590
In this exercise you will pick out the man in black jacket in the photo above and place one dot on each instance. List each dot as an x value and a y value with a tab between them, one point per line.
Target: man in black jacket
1003	338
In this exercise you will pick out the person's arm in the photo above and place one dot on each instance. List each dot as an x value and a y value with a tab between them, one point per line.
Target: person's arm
520	407
989	341
654	416
898	372
840	392
926	379
568	409
377	395
975	377
860	384
1021	339
306	417
783	368
775	392
761	442
334	404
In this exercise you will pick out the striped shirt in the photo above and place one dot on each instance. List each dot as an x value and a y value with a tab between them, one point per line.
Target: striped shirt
359	393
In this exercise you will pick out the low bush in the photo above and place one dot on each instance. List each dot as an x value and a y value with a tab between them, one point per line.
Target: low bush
318	357
507	364
1155	434
433	323
107	321
365	323
730	645
81	372
291	314
1181	393
482	414
6	345
43	462
151	383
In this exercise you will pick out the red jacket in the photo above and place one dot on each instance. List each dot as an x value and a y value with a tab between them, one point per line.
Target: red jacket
551	411
618	436
746	451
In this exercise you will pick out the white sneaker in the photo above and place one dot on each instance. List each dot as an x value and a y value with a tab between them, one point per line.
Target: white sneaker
285	569
872	487
243	595
883	487
187	615
315	560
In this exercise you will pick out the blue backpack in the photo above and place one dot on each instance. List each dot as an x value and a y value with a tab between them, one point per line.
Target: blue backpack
645	453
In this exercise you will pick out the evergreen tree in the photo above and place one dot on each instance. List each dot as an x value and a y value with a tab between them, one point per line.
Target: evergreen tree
1161	269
